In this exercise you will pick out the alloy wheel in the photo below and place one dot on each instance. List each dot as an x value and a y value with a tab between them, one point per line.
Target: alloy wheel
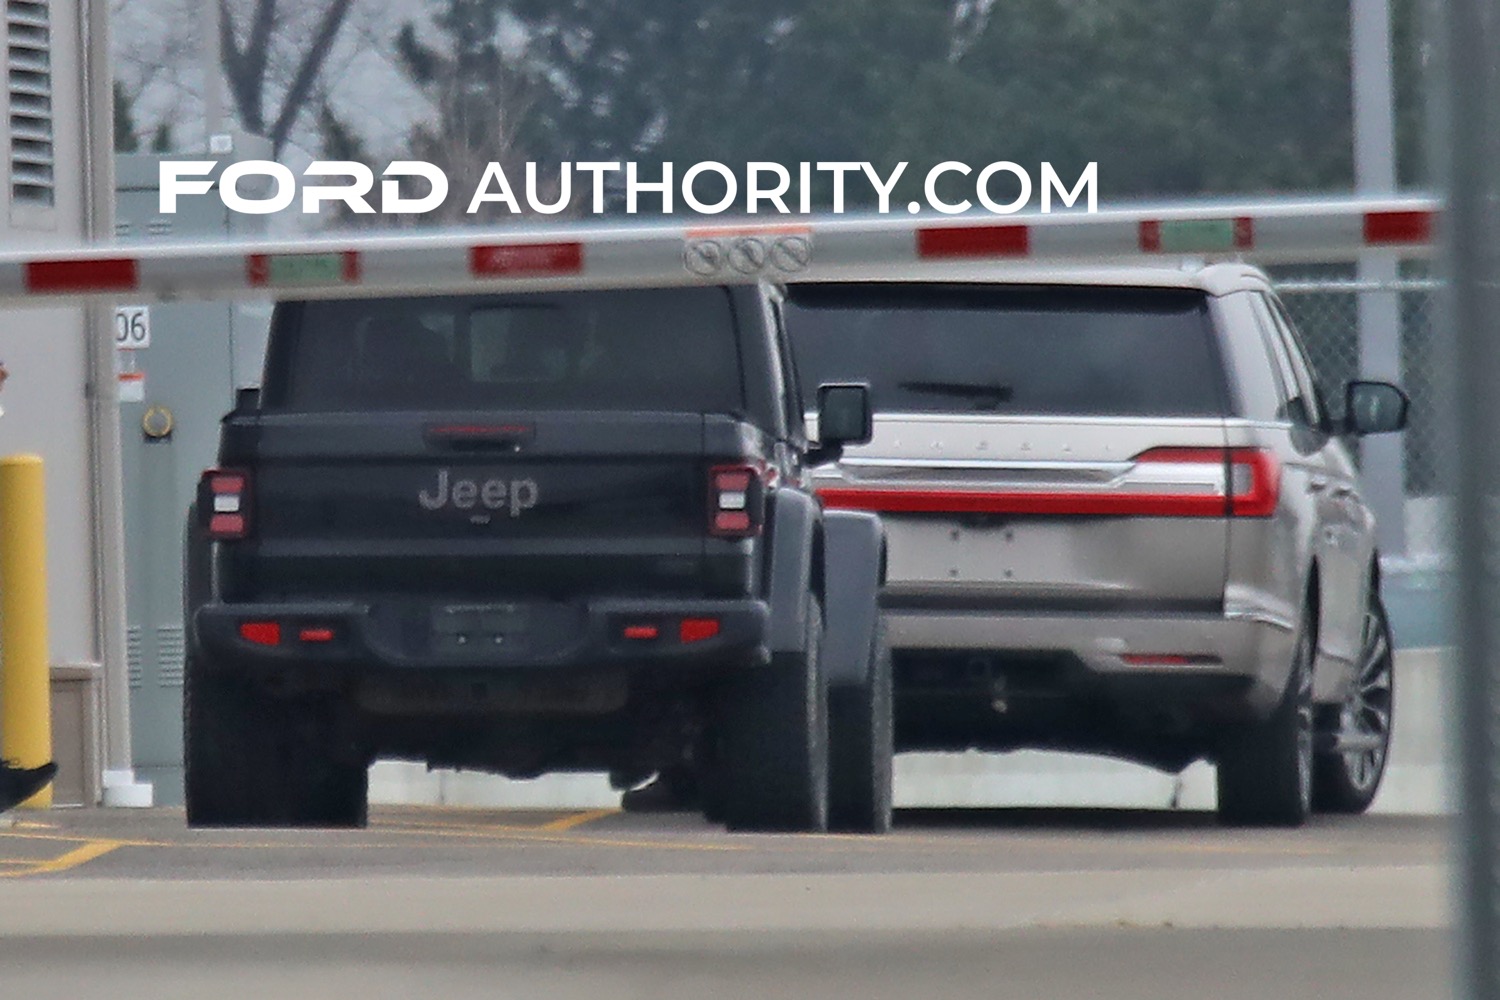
1365	720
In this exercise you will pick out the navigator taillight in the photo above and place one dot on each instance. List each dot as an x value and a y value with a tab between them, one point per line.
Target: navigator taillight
1254	476
1255	482
1160	482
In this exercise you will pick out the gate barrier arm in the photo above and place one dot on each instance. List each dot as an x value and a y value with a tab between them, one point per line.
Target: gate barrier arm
596	255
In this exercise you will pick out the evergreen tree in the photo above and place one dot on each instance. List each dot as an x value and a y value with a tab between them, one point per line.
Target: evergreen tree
126	141
1170	100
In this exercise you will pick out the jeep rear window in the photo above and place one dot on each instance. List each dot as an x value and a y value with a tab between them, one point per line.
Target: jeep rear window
643	349
1014	349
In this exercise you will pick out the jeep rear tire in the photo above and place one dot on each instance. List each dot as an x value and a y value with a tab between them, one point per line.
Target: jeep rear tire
1265	769
861	731
251	760
775	740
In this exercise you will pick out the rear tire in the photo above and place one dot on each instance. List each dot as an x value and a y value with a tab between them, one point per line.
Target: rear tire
861	730
711	779
775	741
1346	782
250	760
712	803
1265	769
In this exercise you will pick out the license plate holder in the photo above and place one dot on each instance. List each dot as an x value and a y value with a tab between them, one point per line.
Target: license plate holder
474	627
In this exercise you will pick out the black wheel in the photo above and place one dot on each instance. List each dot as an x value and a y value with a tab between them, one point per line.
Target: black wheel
250	760
1346	775
1265	769
712	803
861	733
711	778
676	788
224	758
775	741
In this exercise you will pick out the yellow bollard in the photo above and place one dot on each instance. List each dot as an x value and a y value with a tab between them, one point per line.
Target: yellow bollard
25	698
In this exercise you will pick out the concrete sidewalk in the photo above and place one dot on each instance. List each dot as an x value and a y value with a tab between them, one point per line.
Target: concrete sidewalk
1409	897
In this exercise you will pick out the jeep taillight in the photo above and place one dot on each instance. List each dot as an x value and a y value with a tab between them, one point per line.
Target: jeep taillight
224	504
736	501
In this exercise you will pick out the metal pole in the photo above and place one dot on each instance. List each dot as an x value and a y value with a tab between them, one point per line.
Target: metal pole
1384	457
209	54
25	702
1473	251
104	412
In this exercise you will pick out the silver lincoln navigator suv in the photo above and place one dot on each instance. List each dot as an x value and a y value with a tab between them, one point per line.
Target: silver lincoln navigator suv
1122	518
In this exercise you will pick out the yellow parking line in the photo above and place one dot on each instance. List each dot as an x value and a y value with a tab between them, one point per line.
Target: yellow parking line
73	838
556	831
537	835
567	823
655	845
559	825
564	831
79	855
72	859
512	834
409	825
300	845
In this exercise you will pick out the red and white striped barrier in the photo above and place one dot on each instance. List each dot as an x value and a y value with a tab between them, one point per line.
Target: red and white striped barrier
598	255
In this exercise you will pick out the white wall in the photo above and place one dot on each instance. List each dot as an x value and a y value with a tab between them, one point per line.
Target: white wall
45	414
45	408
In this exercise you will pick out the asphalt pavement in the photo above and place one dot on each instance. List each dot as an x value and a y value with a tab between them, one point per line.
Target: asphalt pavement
954	903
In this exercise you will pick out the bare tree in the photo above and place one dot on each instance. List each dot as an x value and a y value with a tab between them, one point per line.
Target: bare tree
480	102
279	61
153	66
260	71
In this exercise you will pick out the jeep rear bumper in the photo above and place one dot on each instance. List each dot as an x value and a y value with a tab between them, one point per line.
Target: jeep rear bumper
352	639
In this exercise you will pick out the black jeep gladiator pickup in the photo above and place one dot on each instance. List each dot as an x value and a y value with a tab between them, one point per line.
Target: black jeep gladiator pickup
552	531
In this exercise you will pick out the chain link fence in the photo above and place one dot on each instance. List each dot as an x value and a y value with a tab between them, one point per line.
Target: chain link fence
1325	307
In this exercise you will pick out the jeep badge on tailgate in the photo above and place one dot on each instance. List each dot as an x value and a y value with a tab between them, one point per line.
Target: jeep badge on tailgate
494	494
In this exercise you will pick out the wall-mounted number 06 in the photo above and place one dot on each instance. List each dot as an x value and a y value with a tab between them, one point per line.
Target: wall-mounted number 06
132	327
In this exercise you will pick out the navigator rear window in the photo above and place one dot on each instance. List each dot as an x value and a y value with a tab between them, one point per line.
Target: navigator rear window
641	349
1048	350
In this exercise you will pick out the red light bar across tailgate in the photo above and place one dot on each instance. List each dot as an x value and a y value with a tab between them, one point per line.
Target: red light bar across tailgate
1254	475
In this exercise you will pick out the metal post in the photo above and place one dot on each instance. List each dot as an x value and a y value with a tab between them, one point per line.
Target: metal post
120	786
209	54
1473	251
1384	457
25	700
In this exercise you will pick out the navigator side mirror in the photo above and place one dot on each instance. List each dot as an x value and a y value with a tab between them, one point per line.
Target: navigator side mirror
1374	408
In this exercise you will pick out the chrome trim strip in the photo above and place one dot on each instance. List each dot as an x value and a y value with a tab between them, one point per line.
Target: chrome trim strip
1260	616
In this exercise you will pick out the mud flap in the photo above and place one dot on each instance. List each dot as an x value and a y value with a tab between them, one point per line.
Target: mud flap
793	520
854	547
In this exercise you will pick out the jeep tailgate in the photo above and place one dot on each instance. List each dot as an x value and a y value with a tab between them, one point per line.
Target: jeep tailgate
457	504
